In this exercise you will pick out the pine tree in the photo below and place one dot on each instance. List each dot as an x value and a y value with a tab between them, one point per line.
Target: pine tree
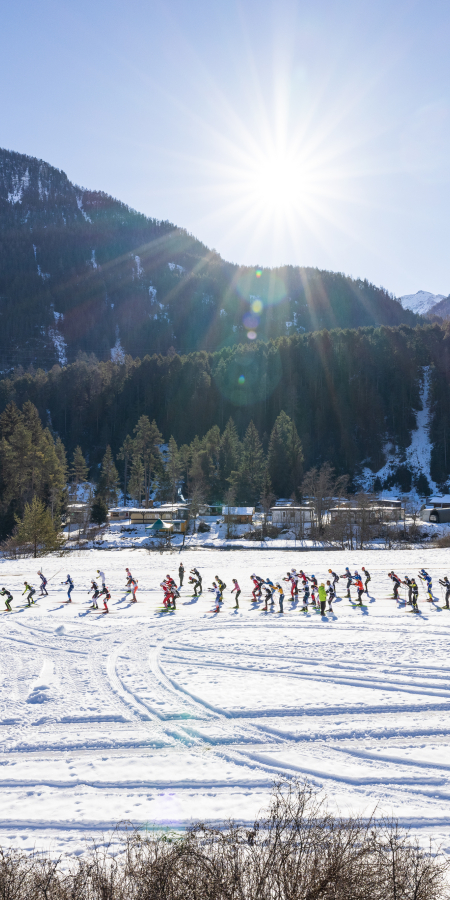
36	528
109	479
146	445
125	453
79	470
99	511
285	457
228	455
173	468
249	478
136	482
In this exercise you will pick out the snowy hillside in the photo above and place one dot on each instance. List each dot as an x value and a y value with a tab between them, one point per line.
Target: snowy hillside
417	457
422	302
165	718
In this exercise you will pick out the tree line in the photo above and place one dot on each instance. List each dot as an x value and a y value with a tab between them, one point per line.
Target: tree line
348	392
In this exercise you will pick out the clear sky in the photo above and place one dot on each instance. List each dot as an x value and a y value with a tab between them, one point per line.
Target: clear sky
313	133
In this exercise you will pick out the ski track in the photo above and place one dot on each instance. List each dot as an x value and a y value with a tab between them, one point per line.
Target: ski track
164	719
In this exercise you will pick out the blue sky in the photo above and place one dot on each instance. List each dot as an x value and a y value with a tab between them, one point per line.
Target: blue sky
312	133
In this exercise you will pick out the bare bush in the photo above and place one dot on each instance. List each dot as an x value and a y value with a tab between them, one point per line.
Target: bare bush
297	851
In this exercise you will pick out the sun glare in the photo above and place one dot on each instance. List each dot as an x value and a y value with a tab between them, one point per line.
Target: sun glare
277	184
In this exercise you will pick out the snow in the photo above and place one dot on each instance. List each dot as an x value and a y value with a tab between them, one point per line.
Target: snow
174	266
94	261
18	185
117	352
166	718
80	207
139	269
421	302
152	292
59	344
418	454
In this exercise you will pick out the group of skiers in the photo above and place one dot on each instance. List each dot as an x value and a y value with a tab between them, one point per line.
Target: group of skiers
413	589
314	593
98	593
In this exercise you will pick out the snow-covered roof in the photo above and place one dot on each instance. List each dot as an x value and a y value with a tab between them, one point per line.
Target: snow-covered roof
238	510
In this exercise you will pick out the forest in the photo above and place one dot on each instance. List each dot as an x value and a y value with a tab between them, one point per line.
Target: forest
347	392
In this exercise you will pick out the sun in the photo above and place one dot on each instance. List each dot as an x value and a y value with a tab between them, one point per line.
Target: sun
277	183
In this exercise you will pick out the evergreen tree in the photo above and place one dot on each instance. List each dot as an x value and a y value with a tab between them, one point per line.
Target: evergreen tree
79	470
136	482
108	485
249	478
146	446
285	457
228	455
125	454
36	528
173	469
99	511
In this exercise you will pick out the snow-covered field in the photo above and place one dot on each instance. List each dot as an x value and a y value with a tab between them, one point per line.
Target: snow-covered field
166	718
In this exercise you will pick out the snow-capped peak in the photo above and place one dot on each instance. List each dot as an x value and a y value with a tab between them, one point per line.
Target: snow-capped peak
421	302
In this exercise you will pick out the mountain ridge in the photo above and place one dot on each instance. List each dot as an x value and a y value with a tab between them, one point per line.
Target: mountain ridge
81	272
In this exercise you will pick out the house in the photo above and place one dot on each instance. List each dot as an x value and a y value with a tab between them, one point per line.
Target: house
239	515
291	515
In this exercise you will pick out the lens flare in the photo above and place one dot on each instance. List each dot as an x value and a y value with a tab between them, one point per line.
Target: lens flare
241	379
250	321
257	306
258	273
251	335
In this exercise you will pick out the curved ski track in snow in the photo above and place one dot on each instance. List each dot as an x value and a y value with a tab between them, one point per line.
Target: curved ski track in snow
162	718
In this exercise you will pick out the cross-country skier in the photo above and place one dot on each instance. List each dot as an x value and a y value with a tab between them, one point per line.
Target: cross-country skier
305	593
424	576
129	581
279	590
292	579
446	583
216	590
331	594
415	593
104	593
95	594
101	577
31	590
408	583
396	582
256	592
181	574
322	598
43	592
367	578
314	589
271	589
359	587
196	584
70	588
334	578
347	574
134	587
222	587
236	590
5	593
198	578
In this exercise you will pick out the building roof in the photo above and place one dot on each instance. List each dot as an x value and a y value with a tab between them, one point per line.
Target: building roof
238	510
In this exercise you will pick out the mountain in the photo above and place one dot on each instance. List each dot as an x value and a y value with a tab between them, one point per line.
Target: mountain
82	272
422	303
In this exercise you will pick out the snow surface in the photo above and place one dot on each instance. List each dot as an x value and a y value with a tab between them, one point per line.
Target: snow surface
117	352
164	718
421	302
82	211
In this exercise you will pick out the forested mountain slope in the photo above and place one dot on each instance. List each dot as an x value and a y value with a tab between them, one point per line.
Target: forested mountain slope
353	395
80	271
